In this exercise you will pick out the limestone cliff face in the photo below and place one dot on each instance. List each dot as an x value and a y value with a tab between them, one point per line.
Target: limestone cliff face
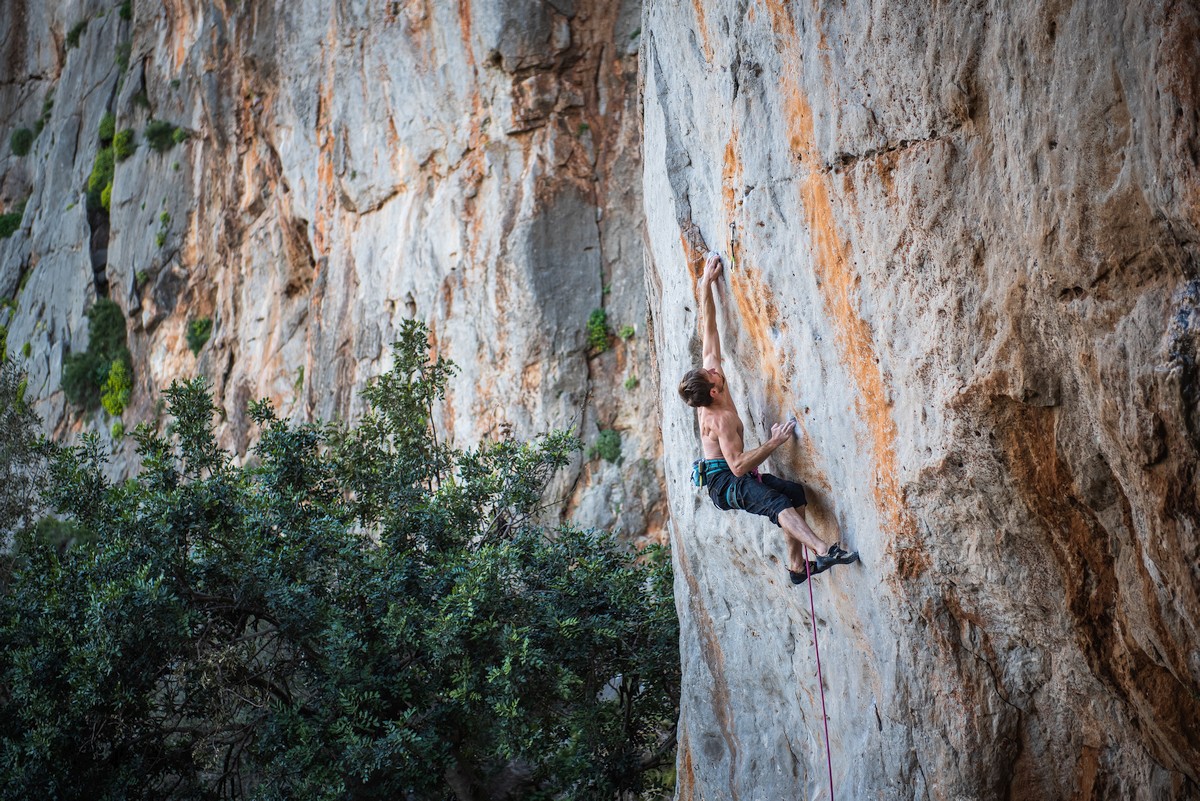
348	165
968	262
966	258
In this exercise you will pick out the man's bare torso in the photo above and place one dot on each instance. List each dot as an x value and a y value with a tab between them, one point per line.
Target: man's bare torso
712	421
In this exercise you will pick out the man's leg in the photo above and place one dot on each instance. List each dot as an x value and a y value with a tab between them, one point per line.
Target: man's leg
796	527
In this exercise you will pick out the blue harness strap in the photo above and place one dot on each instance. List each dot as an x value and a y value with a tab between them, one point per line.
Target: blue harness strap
703	468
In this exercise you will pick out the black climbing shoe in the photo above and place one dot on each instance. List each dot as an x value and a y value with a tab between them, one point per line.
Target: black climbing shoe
801	577
836	556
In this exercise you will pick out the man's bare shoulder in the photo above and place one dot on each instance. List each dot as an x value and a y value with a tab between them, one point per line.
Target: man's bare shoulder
718	420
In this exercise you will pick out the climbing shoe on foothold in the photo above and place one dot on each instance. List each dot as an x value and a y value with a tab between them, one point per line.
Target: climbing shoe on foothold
836	555
801	577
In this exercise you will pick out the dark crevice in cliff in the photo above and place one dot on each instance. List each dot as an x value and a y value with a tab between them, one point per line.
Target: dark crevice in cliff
99	224
843	161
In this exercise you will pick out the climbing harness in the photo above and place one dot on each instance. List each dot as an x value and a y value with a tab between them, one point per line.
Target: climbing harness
812	607
703	468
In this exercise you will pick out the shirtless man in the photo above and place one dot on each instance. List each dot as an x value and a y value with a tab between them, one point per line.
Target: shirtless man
729	471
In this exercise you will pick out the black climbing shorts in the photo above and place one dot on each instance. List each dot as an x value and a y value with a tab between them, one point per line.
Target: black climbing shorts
767	497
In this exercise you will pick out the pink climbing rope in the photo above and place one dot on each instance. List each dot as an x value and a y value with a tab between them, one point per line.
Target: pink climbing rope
820	680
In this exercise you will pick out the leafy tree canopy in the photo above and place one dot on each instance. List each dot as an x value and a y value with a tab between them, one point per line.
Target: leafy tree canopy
361	612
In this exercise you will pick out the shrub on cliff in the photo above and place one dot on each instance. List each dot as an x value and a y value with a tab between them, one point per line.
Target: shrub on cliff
124	144
11	222
198	332
360	612
21	141
101	177
597	331
108	128
160	135
76	31
86	376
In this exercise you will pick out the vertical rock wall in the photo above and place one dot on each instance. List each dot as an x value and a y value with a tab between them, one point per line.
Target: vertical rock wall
350	164
968	262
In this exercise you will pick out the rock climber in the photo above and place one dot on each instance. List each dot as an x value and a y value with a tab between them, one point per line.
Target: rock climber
728	470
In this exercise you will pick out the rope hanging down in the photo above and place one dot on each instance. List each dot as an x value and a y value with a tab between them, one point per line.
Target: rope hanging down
820	680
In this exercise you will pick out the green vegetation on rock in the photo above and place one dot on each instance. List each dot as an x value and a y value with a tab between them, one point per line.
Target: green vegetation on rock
198	332
21	141
127	10
627	332
108	128
124	144
607	446
124	50
10	222
76	31
597	331
160	135
356	612
86	375
101	177
114	395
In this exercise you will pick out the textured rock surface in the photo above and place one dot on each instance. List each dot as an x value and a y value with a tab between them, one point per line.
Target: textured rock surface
969	263
350	164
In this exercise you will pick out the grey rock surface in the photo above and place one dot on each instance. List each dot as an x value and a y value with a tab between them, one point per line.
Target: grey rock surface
967	261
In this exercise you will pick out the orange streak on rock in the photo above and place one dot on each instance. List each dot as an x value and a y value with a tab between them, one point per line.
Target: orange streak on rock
687	773
837	279
702	29
326	196
731	173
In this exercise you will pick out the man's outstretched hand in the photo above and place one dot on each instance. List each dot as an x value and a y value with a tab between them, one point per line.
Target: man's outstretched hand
712	268
782	432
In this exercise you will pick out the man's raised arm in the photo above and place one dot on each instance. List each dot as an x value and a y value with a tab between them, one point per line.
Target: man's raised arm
708	318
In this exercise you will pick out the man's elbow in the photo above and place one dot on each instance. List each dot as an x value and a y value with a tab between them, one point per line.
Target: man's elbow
738	470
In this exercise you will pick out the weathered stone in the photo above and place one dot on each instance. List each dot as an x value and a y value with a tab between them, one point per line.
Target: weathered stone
347	168
966	255
966	246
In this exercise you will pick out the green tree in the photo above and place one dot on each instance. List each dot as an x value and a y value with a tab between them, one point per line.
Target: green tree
22	450
361	612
